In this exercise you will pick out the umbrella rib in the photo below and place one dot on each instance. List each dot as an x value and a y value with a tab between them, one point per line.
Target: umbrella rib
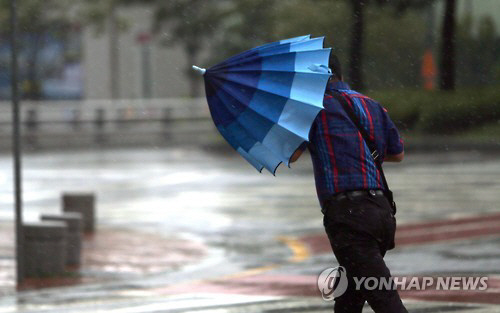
226	64
266	46
249	135
222	130
238	98
264	100
267	50
235	120
221	85
268	70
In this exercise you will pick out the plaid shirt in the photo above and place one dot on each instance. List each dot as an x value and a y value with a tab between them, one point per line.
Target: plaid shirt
341	158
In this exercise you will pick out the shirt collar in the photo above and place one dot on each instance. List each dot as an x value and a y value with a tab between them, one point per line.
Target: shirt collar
338	85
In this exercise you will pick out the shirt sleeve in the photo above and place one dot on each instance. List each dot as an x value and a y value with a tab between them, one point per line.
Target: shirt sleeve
312	133
395	143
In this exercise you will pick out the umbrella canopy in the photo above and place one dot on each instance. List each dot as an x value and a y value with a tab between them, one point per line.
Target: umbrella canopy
263	101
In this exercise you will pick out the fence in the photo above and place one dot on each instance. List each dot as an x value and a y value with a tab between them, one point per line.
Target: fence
88	123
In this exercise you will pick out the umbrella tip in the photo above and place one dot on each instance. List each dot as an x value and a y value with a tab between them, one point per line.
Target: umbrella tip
199	69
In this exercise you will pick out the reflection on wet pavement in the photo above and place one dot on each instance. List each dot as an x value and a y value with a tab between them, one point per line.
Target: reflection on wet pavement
219	201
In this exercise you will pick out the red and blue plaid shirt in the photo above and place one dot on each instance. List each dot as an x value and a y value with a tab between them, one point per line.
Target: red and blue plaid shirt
341	158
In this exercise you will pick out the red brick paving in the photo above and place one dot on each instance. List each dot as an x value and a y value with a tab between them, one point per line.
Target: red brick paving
427	232
113	251
421	233
108	254
265	284
306	286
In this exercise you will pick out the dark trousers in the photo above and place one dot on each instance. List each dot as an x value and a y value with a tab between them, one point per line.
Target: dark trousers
360	231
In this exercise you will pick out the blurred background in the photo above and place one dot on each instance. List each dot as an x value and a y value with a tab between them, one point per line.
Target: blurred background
110	105
77	55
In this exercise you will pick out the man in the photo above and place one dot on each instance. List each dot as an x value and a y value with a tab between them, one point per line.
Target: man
358	218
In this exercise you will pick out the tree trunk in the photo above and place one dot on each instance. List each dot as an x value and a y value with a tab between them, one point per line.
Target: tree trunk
447	64
114	54
33	91
356	48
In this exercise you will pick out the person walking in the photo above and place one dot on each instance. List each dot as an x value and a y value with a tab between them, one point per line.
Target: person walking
348	141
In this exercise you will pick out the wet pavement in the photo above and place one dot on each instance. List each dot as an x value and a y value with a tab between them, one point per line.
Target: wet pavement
109	254
191	229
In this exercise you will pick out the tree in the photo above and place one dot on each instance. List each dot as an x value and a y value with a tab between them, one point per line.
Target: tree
390	55
393	54
477	50
102	14
356	48
246	24
36	19
197	26
447	53
190	23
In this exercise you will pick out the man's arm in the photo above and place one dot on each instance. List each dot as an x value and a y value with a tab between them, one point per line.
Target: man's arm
395	147
394	157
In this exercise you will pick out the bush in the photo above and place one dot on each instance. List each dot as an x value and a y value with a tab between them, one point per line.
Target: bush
439	111
404	105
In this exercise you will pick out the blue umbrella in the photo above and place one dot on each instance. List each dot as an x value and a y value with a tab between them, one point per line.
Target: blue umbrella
263	101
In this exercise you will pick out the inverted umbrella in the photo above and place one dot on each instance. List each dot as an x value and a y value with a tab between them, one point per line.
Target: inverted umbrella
263	101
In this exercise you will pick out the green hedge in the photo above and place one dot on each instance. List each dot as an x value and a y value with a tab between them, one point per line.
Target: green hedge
441	111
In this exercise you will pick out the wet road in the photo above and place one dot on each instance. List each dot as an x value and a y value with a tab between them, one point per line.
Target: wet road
216	197
211	197
245	218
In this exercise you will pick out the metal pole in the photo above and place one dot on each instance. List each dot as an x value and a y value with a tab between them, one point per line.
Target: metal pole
146	73
16	141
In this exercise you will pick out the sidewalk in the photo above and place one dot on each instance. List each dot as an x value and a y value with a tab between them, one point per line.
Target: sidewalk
221	303
116	261
110	254
186	230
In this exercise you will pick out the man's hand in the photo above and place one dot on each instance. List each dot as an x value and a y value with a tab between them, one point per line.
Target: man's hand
296	155
394	157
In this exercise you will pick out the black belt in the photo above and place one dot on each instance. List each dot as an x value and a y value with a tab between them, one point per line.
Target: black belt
356	193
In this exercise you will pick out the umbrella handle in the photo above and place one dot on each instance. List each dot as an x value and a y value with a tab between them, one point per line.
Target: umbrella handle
199	69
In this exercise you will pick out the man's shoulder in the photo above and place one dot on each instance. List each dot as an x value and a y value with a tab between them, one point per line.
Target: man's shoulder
353	94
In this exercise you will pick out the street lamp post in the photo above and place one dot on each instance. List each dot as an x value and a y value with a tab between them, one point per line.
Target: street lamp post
144	40
16	142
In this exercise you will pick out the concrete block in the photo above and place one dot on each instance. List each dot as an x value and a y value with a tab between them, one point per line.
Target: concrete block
83	203
75	231
44	248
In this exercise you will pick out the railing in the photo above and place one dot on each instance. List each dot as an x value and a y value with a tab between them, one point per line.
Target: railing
33	112
98	123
